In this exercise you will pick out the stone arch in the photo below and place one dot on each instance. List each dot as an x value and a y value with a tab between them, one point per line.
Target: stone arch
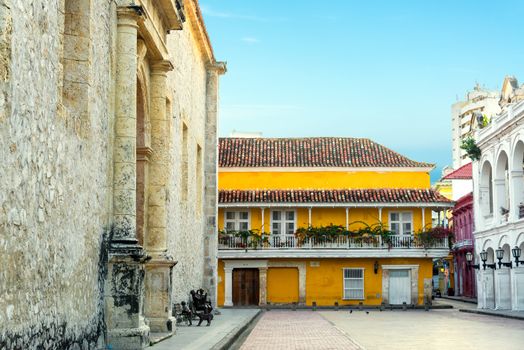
501	182
504	239
520	239
486	189
491	255
507	252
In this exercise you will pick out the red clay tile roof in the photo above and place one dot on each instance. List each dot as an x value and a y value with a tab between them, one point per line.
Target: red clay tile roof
309	152
463	173
386	195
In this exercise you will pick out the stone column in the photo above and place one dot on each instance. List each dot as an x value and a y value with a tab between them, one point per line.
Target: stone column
210	178
124	178
228	286
125	281
262	278
516	186
158	283
498	199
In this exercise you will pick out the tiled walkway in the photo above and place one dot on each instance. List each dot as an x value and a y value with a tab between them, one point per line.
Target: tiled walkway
296	330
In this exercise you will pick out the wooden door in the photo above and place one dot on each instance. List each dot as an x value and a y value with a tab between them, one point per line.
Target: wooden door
245	287
399	287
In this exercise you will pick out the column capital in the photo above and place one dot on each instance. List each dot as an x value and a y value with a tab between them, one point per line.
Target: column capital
161	66
128	15
217	67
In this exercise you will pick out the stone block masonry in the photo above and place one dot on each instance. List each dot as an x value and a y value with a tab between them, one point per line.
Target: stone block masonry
92	221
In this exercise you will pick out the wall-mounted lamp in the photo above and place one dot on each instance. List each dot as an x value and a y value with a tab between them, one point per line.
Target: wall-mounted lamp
516	255
469	259
500	254
484	258
375	267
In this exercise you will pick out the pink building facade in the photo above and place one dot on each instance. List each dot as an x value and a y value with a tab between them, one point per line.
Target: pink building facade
463	227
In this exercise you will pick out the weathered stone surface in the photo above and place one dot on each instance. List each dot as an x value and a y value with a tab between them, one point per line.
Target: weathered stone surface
70	181
54	198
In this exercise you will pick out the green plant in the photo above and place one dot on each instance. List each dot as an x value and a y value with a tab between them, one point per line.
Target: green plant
248	238
428	237
470	146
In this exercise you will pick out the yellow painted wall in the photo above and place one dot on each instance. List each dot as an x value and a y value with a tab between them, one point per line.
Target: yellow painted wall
322	180
324	284
336	216
282	285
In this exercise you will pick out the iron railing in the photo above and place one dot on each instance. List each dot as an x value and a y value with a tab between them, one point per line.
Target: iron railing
275	242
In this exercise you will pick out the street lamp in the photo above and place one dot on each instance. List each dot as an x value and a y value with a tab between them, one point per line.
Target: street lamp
469	259
484	258
516	254
500	254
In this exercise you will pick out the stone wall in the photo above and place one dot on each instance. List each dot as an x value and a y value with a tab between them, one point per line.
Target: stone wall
185	227
55	195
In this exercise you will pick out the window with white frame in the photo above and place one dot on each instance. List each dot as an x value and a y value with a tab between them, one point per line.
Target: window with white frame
283	222
354	283
401	223
236	220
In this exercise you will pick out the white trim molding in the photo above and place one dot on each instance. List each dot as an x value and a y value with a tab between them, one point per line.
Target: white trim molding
414	281
335	205
324	169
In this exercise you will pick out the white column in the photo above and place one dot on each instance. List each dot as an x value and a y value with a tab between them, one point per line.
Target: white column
516	185
347	218
262	211
498	199
380	214
228	286
309	216
423	218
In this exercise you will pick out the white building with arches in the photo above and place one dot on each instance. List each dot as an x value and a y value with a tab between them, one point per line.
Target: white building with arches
498	179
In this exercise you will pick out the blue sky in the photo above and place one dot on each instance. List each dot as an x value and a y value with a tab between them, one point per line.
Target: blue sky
385	70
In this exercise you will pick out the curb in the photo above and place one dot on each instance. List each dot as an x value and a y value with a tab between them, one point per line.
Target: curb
159	339
487	313
348	307
459	300
232	336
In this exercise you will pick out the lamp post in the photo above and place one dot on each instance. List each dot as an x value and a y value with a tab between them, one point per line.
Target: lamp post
469	259
484	258
500	254
516	254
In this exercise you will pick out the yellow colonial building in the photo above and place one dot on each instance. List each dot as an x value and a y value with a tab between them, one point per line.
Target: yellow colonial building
325	221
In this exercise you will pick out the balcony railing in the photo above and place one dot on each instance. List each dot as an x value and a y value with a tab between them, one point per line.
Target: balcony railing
277	242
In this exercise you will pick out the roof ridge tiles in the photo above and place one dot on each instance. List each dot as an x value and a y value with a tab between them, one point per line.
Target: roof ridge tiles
310	152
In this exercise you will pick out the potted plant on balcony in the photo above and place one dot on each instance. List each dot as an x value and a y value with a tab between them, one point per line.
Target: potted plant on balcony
428	237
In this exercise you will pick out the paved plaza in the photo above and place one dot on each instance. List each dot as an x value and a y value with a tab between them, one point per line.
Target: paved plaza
296	330
436	329
373	330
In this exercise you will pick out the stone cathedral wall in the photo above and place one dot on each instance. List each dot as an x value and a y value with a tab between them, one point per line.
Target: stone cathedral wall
185	226
55	173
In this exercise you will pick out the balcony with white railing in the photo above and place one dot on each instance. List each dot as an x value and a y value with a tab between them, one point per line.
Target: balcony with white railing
290	246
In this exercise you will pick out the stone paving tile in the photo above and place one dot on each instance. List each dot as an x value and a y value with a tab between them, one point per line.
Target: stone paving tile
302	330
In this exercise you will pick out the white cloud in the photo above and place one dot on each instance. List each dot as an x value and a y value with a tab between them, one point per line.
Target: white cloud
250	40
210	12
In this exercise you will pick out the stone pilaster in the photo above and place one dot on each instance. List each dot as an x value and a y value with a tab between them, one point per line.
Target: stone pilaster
262	277
210	177
159	270
124	288
159	167
124	178
228	286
